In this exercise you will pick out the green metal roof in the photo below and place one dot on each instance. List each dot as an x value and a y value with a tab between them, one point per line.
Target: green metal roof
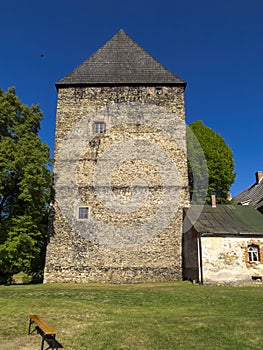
224	220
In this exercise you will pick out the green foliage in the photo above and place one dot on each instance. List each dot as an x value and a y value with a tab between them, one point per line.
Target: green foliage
197	168
25	182
219	167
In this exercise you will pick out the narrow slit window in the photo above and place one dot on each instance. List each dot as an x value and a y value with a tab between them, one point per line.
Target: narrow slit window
253	253
83	213
100	127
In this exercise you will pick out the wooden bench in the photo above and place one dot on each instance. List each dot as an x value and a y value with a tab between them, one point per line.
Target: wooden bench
47	332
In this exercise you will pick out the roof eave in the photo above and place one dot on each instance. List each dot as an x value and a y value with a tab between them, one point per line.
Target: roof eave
230	234
112	84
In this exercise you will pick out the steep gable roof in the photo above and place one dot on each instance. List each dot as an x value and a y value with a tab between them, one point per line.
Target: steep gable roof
253	196
224	220
120	61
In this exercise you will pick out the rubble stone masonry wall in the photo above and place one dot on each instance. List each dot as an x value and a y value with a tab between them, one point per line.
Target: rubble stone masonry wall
132	178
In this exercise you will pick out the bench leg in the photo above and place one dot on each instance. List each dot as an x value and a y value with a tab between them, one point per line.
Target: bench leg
51	340
42	343
29	327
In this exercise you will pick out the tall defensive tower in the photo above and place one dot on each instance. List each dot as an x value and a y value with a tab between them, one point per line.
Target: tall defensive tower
120	170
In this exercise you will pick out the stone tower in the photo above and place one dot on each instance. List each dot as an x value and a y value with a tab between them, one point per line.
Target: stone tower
120	170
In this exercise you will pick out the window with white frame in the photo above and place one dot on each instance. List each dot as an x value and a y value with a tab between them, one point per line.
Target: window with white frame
83	213
99	127
253	253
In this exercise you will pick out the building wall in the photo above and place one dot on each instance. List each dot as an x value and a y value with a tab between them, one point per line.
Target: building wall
225	260
133	179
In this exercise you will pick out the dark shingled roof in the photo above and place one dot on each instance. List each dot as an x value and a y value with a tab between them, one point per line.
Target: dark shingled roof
252	196
224	220
120	61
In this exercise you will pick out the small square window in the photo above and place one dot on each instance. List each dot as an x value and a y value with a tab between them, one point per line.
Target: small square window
83	213
253	253
99	127
159	90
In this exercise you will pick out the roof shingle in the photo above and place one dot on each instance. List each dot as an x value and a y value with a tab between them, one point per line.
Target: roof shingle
120	61
252	196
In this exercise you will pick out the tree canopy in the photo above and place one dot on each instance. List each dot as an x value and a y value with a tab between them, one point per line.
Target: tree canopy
211	162
25	186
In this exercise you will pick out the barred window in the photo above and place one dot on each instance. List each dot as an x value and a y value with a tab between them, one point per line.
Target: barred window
253	253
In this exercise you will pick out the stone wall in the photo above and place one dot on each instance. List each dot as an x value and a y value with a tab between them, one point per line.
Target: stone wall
132	178
225	260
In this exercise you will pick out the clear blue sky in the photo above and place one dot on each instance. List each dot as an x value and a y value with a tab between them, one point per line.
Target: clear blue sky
216	46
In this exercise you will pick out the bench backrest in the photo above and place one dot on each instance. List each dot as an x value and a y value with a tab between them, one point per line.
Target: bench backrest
43	325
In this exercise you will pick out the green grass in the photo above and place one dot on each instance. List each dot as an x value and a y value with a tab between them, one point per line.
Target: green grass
176	315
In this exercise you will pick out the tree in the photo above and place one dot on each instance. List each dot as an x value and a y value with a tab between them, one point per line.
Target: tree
25	187
219	167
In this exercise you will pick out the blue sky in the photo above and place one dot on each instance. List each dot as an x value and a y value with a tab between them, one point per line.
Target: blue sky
216	46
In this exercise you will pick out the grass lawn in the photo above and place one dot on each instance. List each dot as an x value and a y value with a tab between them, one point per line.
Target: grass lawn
176	315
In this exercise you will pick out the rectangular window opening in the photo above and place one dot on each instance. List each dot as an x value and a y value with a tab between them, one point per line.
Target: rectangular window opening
99	127
83	213
253	253
256	278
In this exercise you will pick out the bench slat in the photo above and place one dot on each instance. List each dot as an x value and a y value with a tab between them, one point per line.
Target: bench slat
43	325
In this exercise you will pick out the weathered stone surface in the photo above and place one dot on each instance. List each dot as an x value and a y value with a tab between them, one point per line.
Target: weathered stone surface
225	261
133	179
